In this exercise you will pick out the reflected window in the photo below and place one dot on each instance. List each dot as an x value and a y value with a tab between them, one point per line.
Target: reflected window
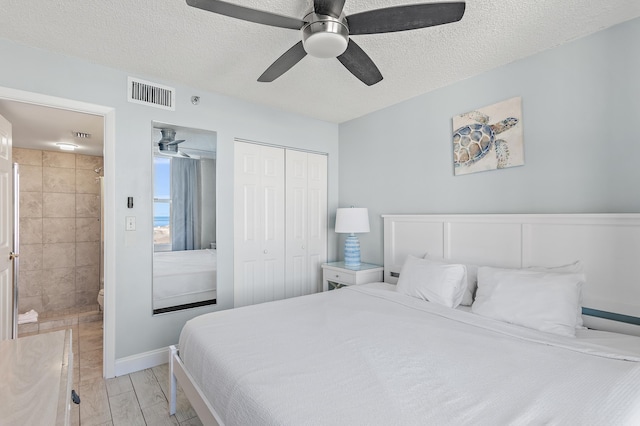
162	204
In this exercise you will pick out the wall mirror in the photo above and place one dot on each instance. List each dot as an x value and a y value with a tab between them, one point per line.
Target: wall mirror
184	218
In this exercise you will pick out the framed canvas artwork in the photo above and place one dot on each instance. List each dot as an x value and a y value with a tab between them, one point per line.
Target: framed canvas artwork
488	138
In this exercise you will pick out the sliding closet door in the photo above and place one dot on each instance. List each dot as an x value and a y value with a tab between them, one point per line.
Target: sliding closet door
306	221
259	234
317	228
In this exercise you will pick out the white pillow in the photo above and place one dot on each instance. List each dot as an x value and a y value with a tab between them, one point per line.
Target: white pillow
571	268
438	283
472	277
543	301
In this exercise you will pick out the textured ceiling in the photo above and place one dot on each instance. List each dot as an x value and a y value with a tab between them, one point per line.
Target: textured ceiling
166	39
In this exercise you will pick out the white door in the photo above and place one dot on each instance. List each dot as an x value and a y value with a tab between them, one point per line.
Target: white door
306	221
6	231
258	223
317	219
296	264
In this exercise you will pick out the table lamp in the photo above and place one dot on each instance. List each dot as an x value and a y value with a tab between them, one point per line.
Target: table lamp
351	221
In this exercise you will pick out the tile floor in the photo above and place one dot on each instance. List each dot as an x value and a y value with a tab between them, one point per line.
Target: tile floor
138	398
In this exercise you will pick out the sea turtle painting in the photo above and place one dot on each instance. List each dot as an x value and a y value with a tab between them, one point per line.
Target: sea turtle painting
477	147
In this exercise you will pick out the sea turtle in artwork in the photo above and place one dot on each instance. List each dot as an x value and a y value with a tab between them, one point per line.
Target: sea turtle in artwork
473	141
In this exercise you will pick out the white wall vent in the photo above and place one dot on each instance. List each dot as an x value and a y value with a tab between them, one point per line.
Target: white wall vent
152	94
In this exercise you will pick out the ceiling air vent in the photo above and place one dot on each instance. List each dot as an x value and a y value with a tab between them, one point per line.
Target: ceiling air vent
152	94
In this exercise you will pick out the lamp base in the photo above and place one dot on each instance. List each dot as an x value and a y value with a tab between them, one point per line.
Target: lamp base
352	251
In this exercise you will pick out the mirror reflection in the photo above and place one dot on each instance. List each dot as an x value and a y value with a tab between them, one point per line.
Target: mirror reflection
184	218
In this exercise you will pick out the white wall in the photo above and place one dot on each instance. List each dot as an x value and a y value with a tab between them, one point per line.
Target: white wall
581	109
39	71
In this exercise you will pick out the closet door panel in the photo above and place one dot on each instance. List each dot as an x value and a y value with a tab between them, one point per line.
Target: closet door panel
269	212
280	207
296	228
273	288
248	279
297	269
297	216
306	221
272	217
246	224
314	281
273	179
249	218
317	219
259	224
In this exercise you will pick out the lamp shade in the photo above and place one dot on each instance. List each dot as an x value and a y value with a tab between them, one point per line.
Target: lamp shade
352	220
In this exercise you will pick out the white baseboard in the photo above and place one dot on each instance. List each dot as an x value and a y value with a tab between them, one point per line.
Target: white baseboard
133	363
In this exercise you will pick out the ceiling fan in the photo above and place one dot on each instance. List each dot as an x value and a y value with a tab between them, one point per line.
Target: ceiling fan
168	145
326	30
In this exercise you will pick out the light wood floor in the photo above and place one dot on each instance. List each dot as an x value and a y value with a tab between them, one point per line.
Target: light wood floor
135	399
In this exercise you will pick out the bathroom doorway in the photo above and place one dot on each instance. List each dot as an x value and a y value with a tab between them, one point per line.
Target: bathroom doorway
61	218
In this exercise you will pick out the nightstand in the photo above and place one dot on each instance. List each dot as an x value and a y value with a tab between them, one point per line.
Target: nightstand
336	275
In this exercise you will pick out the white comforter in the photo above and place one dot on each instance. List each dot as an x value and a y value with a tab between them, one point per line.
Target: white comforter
182	277
366	355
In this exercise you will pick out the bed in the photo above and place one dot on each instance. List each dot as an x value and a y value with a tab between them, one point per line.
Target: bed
186	277
376	354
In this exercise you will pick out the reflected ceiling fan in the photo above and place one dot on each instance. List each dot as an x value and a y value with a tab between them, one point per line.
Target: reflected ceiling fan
326	30
168	144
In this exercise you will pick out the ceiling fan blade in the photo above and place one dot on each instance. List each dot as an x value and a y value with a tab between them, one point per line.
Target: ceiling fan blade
406	17
360	64
328	7
247	14
284	63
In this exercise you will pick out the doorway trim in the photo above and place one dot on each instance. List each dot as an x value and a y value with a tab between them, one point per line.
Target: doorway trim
108	113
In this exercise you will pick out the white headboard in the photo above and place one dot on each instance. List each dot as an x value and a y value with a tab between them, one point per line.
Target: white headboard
607	244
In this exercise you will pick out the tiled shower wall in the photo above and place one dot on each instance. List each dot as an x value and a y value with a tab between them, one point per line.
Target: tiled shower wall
59	231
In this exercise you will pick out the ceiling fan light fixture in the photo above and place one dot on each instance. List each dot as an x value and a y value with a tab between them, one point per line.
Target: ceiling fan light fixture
168	135
326	29
169	144
324	36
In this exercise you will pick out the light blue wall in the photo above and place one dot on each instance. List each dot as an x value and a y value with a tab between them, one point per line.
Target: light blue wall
39	71
581	111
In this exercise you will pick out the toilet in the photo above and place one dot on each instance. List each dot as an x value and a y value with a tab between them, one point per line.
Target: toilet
101	299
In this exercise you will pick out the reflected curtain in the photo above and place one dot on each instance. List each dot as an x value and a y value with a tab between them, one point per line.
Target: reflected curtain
185	204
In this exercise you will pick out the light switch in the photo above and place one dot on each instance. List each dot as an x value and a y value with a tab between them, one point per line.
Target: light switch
130	223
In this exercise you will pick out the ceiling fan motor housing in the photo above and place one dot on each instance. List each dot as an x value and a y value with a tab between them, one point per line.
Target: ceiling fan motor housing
325	36
168	143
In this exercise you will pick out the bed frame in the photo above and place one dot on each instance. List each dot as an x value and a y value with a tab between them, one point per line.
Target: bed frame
607	244
179	374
